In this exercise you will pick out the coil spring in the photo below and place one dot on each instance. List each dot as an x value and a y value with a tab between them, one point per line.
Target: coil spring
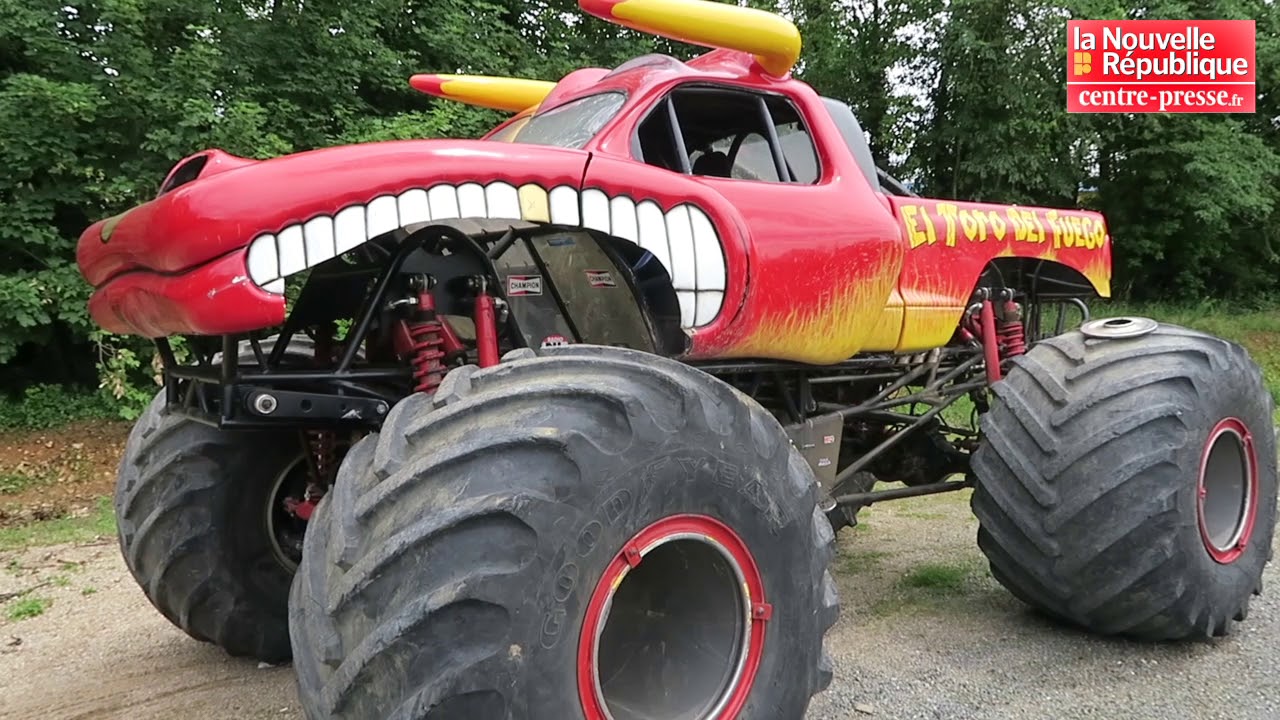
322	445
428	370
1011	335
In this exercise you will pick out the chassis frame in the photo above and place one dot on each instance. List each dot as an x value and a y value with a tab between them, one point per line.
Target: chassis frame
237	382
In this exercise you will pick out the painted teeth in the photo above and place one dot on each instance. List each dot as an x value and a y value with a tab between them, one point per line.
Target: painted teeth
683	239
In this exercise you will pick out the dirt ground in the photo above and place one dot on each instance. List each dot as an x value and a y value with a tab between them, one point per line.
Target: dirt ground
55	473
925	633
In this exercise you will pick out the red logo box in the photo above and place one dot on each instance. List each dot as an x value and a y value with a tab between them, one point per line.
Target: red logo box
1175	66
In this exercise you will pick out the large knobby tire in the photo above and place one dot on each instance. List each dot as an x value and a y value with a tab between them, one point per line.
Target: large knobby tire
499	545
1128	486
191	505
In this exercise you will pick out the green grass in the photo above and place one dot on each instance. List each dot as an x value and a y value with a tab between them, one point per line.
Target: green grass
27	607
100	522
931	586
856	561
937	578
14	483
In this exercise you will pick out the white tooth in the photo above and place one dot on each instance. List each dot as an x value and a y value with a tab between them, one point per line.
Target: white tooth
653	232
318	233
708	307
595	210
687	304
413	207
293	254
502	200
275	286
706	245
680	239
622	218
564	205
263	264
348	228
471	203
444	202
380	216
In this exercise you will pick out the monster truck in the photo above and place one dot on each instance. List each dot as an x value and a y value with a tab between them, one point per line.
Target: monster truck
558	423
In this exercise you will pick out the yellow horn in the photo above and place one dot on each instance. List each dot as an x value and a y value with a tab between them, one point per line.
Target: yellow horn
772	39
495	93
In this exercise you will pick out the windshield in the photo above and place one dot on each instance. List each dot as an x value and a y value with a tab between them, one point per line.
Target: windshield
570	125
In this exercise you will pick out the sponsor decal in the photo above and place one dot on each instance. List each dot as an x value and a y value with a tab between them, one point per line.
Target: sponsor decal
600	279
554	341
524	285
1163	66
823	462
828	439
561	241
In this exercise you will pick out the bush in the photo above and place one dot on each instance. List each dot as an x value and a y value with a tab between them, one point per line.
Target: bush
41	407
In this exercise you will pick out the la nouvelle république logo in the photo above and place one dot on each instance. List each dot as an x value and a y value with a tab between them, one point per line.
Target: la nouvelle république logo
1174	66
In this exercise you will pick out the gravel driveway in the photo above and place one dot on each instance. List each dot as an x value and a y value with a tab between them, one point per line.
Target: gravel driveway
925	634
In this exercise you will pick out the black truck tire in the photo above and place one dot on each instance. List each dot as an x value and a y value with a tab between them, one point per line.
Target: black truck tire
185	501
1127	485
501	544
189	506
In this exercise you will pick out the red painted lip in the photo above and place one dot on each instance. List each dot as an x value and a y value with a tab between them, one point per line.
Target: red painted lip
1230	554
631	555
233	200
214	299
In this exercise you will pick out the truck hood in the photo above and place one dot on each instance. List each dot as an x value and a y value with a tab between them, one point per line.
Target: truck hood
316	205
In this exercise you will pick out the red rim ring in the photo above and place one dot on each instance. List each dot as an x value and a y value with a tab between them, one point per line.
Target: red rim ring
1227	490
718	564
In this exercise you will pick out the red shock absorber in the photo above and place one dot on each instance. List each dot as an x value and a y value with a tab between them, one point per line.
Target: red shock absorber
1011	332
990	344
427	339
486	329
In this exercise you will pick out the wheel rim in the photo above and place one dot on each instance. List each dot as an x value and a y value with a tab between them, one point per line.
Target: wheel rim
675	626
1227	490
285	530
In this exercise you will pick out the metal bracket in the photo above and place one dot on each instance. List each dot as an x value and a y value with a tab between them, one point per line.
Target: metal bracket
818	440
269	403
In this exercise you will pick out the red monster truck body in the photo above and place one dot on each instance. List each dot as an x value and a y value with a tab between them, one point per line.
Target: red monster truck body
558	423
807	271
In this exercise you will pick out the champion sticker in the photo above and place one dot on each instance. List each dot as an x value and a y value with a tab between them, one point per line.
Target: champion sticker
600	279
524	285
554	341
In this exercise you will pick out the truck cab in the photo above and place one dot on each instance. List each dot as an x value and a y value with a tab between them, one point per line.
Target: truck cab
788	179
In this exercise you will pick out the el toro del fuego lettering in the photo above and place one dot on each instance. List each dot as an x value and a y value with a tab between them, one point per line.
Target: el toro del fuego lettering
949	222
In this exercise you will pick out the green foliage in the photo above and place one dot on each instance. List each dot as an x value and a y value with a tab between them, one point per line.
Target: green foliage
27	608
41	407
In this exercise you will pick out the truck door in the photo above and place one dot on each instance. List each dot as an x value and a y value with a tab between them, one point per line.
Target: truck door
823	253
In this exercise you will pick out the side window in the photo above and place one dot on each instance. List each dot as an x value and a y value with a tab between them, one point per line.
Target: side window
721	132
